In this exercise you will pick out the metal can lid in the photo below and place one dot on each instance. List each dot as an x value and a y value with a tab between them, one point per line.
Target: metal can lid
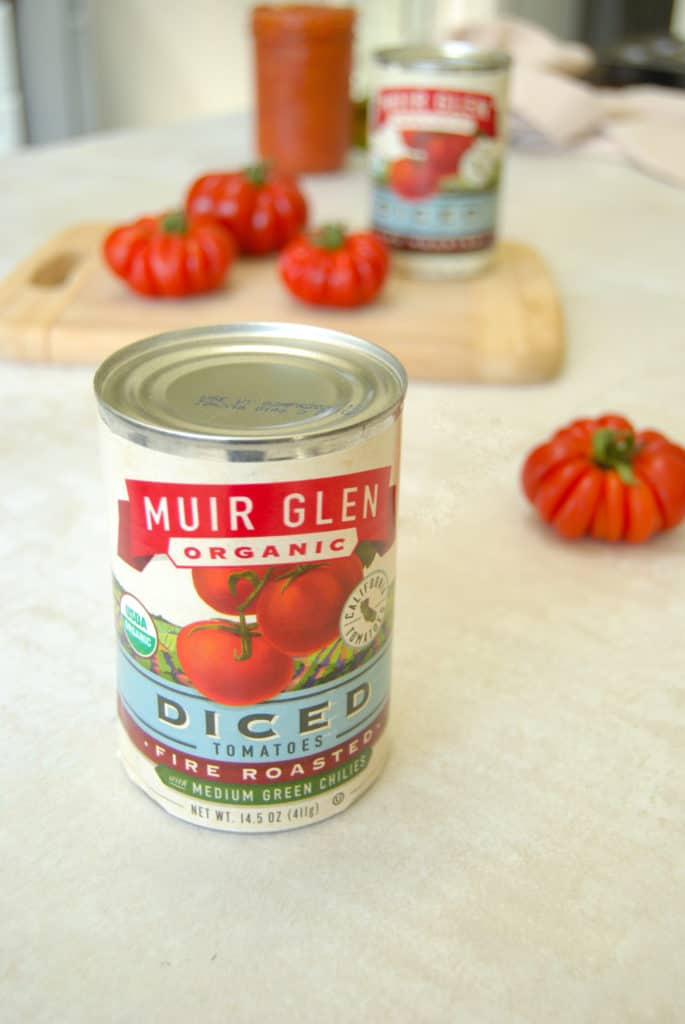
251	382
455	55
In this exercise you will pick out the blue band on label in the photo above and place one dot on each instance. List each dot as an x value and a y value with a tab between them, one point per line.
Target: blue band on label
293	724
438	217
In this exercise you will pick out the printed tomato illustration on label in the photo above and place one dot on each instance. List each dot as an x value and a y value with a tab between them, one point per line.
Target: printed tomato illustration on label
276	624
231	664
296	612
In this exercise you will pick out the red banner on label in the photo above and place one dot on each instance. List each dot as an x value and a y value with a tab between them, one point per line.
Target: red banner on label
159	512
253	772
478	107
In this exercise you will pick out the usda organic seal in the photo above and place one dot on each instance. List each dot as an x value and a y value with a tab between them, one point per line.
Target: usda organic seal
138	626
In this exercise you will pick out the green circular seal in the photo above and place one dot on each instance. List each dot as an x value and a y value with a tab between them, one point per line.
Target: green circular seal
138	625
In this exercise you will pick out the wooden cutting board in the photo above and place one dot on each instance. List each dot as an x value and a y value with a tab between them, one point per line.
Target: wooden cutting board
504	326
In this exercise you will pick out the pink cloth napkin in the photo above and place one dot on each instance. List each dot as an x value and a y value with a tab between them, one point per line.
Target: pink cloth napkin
643	124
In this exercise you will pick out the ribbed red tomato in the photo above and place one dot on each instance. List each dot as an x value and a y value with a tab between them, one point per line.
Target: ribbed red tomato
300	613
603	478
231	663
262	208
333	268
172	255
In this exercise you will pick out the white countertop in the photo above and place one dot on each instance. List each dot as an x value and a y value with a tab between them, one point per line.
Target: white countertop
521	859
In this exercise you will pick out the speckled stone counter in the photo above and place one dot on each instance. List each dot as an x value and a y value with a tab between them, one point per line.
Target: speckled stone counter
521	859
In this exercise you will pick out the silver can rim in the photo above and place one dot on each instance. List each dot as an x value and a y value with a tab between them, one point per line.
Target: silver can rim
114	414
456	55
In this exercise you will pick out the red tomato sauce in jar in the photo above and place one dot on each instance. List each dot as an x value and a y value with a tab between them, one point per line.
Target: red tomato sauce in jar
252	474
303	57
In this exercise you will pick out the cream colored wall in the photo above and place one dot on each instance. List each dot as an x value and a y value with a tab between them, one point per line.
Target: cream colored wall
160	61
165	60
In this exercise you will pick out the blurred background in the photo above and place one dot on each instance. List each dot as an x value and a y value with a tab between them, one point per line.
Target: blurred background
72	67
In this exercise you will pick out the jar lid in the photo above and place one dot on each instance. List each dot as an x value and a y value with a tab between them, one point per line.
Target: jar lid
276	20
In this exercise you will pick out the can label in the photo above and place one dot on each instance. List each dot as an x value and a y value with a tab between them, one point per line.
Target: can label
253	608
435	159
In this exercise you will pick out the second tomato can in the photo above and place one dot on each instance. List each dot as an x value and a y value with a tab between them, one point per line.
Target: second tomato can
436	129
252	474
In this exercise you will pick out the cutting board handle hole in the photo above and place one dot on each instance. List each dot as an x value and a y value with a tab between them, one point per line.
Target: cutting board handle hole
56	270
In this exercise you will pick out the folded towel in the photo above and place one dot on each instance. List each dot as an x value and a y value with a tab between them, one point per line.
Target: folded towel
643	124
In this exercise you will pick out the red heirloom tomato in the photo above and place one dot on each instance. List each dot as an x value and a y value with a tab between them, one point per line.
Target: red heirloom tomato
412	179
231	663
601	477
262	208
333	268
300	612
233	589
171	255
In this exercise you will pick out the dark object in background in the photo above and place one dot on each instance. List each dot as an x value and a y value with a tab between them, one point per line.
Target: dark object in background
608	23
632	42
658	59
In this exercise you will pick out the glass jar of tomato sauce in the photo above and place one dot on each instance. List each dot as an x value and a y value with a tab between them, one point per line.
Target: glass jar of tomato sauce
303	54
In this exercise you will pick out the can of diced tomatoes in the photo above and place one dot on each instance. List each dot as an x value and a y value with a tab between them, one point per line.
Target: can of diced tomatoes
436	127
252	479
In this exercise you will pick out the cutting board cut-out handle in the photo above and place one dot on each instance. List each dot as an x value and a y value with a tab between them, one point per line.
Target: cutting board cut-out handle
36	294
57	270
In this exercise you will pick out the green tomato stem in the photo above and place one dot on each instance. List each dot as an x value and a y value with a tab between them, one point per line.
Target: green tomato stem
253	578
241	629
175	223
245	634
330	236
615	449
287	578
257	173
